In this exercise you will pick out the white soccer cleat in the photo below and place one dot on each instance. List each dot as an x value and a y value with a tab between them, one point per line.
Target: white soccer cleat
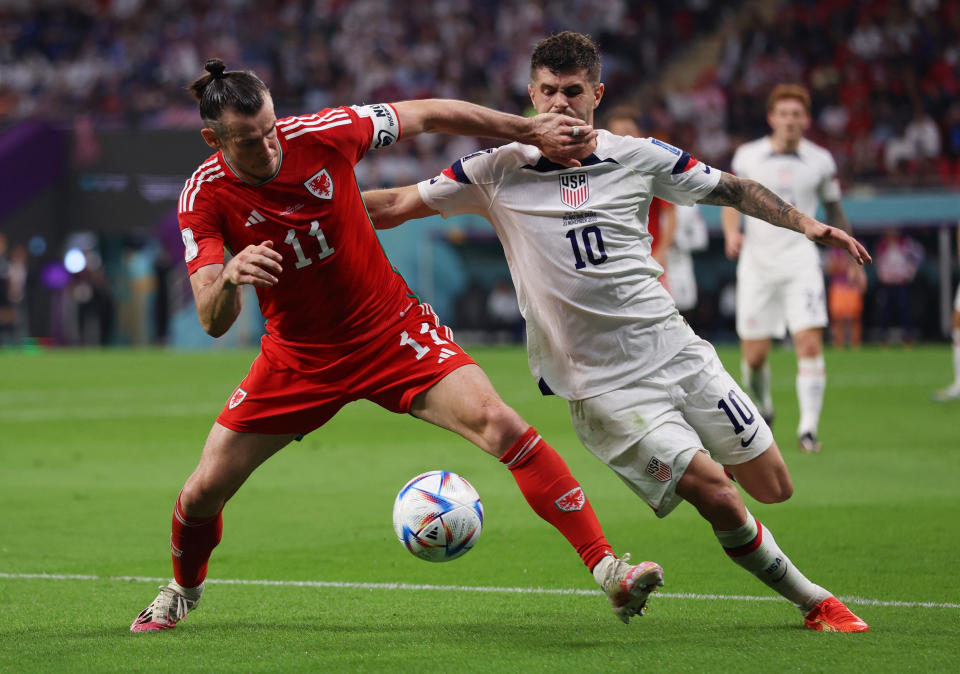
170	607
952	392
808	443
628	586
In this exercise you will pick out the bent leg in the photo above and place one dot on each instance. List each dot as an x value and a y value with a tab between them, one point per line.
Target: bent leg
706	487
227	460
766	477
746	541
466	403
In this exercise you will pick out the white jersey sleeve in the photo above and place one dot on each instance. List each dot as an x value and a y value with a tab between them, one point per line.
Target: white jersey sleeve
463	187
679	177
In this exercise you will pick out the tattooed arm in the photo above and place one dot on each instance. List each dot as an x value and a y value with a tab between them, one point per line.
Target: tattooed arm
751	198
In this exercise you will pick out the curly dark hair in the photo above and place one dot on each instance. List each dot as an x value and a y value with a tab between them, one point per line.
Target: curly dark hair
567	51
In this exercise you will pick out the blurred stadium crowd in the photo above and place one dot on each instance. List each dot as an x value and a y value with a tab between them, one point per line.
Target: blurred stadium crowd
884	77
884	74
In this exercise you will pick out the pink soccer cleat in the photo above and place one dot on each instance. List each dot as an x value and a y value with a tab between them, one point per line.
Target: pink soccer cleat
170	607
628	586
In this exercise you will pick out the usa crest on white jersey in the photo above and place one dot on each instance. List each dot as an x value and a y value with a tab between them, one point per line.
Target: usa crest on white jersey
574	189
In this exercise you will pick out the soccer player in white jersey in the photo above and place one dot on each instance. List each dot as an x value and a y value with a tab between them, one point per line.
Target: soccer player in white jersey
779	276
952	392
646	395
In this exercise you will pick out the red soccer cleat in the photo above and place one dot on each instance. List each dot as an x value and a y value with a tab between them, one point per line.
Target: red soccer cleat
831	615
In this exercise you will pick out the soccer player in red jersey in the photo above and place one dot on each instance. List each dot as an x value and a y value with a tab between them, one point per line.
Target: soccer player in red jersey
342	325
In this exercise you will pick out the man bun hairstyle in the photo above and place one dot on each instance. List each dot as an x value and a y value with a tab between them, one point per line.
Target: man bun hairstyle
795	92
217	90
567	51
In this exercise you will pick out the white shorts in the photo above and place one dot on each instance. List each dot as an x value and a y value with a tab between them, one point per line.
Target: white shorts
649	431
766	308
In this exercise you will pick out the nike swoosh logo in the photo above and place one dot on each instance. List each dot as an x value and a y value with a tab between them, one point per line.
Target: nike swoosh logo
746	443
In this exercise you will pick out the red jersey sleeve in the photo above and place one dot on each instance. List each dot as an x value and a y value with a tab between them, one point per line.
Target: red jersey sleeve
199	221
351	131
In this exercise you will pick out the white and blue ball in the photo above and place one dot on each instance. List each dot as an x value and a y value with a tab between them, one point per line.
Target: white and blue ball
438	516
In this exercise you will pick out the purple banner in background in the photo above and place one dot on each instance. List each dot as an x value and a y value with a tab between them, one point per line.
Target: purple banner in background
32	157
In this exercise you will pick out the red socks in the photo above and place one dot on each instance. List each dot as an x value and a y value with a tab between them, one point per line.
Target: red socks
191	542
555	495
540	472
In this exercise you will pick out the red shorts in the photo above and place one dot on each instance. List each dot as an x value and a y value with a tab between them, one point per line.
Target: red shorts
298	388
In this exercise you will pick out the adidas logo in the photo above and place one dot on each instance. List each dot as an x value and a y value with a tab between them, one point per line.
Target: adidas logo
444	354
254	219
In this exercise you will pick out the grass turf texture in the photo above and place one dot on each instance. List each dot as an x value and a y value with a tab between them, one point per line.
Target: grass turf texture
95	444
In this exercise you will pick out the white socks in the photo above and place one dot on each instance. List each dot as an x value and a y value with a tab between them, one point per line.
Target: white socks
191	593
753	547
811	382
956	358
757	383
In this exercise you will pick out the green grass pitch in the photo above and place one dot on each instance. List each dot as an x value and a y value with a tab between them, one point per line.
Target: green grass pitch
95	444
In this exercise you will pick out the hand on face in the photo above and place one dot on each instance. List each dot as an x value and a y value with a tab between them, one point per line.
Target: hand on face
563	139
566	102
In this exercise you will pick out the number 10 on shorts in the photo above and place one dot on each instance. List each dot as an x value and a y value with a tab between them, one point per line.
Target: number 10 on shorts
743	411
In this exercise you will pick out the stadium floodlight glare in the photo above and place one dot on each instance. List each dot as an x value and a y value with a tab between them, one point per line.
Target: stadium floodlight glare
75	261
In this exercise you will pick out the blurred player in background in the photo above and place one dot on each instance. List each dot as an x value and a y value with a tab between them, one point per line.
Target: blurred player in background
690	234
342	324
952	392
646	395
779	275
677	230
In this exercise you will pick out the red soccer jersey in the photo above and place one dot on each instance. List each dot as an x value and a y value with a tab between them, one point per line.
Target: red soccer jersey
337	286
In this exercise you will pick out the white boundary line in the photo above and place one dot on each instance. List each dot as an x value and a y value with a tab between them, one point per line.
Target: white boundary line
456	588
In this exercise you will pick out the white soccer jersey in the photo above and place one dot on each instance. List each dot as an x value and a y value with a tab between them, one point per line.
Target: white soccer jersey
803	178
577	245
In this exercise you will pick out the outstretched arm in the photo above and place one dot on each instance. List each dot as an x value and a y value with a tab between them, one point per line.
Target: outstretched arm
560	138
393	207
751	198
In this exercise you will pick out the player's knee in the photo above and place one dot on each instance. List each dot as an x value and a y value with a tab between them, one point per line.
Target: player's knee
774	489
755	359
201	497
776	492
499	424
718	501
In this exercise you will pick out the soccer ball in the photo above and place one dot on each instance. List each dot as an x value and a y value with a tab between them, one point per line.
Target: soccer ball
438	516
